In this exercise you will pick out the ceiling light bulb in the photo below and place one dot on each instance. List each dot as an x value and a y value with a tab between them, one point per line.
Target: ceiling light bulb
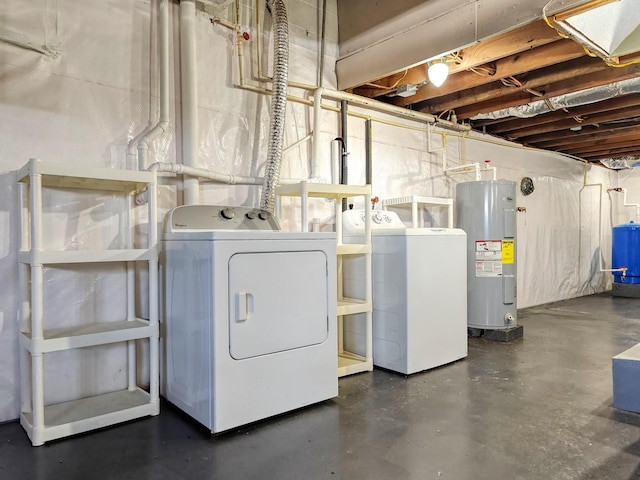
438	73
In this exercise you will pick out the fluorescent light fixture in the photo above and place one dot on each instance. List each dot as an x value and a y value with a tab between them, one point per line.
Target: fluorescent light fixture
610	29
438	72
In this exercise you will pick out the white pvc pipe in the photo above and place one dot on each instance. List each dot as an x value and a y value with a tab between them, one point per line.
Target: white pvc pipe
391	109
189	93
163	53
336	147
494	170
377	105
636	205
179	169
295	144
315	142
600	261
467	167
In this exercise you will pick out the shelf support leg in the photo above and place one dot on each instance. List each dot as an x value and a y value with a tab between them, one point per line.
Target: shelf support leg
154	302
37	310
25	304
368	275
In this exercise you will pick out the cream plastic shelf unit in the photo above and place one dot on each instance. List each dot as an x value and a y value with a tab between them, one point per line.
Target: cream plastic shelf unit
44	422
418	203
348	362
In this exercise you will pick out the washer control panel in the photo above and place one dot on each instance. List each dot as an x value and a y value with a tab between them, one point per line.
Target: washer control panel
353	220
213	217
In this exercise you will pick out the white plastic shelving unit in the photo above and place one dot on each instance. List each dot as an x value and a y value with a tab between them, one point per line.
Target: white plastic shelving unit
44	422
418	203
348	362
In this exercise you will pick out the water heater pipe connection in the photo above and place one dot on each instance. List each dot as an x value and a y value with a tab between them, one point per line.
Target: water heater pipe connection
465	168
600	260
624	200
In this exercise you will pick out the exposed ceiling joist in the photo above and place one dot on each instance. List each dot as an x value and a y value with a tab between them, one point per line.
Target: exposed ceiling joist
511	66
515	72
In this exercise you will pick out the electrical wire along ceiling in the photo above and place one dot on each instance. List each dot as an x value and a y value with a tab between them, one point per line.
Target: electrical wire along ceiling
568	82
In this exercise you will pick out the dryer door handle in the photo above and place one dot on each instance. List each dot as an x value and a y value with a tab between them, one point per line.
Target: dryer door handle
244	306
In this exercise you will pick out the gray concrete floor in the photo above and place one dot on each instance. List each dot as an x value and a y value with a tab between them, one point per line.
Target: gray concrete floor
537	408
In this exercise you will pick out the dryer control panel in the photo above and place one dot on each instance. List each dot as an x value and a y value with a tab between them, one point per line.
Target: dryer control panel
214	217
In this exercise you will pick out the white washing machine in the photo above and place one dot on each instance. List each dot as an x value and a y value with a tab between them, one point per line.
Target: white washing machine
249	315
419	293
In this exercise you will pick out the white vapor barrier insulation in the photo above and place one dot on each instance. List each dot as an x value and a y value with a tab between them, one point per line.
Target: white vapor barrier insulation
88	104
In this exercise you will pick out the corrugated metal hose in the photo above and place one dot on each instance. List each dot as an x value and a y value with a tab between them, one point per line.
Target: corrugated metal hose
278	104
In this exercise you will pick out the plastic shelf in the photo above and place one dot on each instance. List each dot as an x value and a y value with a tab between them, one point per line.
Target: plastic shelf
353	249
48	422
50	257
82	415
323	190
63	175
348	363
352	306
88	335
418	203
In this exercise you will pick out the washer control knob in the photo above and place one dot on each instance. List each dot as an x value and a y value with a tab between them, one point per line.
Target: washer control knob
264	215
376	217
227	213
250	215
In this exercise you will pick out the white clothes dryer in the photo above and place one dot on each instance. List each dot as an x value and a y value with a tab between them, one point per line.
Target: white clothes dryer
249	315
419	292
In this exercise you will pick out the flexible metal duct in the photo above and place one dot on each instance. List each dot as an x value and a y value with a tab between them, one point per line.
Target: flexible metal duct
278	103
575	99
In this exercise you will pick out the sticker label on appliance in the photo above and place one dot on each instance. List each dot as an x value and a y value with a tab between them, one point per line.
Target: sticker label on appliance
489	258
508	251
492	268
489	250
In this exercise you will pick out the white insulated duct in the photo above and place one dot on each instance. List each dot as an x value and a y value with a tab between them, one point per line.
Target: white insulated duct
574	99
278	103
189	93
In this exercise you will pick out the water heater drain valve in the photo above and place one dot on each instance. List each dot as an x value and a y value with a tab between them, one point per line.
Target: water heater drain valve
509	319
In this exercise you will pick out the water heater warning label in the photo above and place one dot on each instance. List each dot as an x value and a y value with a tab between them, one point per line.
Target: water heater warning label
489	257
489	269
508	251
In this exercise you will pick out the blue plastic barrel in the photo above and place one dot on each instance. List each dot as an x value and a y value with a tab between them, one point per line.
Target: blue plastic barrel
625	252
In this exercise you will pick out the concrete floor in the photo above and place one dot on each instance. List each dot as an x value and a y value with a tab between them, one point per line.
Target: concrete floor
538	408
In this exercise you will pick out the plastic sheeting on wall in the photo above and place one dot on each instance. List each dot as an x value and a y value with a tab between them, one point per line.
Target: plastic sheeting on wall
87	105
